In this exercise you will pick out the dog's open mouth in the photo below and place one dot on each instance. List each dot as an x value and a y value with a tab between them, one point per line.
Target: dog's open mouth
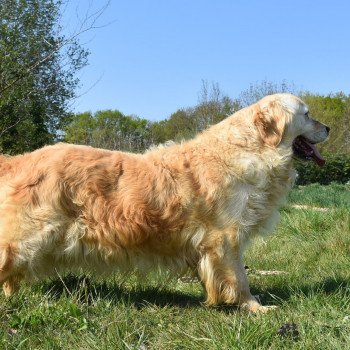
306	150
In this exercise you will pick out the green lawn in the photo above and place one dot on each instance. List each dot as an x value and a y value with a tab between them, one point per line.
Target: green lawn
311	248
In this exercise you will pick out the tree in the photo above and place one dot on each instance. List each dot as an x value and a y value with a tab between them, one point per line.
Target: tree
213	106
80	128
38	67
111	130
260	89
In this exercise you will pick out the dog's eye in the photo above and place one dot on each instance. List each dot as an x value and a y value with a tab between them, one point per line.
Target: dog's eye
307	114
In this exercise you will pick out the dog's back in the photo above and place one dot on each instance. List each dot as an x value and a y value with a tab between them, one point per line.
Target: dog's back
68	206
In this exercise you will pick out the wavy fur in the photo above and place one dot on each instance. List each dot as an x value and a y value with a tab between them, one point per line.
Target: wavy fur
190	206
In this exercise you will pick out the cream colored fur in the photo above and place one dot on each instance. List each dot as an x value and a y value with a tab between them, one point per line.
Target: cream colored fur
190	206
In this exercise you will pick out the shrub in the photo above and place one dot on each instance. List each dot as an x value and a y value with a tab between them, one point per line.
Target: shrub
336	169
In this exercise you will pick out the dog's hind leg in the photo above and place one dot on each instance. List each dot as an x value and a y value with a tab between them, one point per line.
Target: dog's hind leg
11	285
222	273
9	279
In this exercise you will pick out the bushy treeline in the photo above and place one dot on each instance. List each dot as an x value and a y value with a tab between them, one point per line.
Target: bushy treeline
114	130
109	129
336	169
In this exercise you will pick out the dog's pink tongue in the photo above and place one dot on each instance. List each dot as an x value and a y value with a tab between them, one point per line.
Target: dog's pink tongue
316	155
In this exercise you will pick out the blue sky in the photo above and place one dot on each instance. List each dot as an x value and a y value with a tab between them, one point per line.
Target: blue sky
150	57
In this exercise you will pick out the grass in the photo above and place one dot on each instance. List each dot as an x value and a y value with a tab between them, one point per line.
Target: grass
311	247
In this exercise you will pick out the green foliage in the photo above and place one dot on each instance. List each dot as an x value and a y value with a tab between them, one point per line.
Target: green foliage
336	169
109	129
113	130
180	126
37	73
185	123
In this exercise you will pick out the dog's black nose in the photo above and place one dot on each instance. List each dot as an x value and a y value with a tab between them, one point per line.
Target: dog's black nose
328	129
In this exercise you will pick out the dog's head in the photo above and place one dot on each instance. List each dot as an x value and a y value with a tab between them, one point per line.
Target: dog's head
283	121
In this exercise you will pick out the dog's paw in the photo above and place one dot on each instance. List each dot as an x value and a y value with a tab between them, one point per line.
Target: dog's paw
11	286
8	289
254	306
265	309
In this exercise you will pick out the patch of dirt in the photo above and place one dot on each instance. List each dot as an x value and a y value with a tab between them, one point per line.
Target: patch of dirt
308	207
265	272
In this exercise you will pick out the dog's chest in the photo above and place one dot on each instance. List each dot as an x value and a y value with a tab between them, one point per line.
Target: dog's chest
254	206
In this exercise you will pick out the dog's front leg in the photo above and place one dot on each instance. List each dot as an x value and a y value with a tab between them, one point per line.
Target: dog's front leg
222	273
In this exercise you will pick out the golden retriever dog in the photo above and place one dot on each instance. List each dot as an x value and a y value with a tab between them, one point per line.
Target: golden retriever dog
192	206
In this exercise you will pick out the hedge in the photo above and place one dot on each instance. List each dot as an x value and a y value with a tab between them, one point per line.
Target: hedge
336	169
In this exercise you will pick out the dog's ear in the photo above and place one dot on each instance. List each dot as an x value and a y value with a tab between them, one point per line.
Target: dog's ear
271	122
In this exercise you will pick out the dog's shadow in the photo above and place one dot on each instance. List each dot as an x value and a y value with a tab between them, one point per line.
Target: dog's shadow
326	286
88	291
